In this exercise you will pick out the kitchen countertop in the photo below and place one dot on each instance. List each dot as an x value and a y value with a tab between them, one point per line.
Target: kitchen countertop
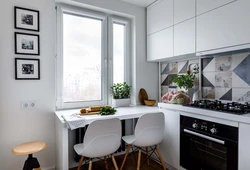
244	118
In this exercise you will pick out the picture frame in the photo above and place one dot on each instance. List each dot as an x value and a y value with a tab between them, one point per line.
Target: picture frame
28	44
27	69
26	19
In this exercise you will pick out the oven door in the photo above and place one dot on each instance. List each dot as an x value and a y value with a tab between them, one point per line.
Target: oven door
202	152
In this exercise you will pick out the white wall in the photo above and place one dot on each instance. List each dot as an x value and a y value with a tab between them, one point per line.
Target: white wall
145	74
17	125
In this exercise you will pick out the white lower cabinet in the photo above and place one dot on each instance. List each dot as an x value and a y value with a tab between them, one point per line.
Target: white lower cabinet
169	147
244	148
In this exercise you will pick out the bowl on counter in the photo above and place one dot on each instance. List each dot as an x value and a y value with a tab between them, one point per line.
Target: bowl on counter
150	102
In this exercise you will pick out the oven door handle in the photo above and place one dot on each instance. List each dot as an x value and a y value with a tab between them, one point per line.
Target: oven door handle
205	136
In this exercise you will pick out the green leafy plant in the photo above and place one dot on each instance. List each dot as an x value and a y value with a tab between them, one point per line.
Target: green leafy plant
120	91
186	81
107	111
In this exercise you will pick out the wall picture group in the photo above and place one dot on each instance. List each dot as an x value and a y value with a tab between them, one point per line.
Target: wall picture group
26	44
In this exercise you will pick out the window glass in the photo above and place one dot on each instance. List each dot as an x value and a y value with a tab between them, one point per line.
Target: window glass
82	58
118	52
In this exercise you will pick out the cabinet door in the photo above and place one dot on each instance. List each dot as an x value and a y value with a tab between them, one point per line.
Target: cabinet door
169	147
184	37
159	16
160	45
207	5
224	27
244	149
183	10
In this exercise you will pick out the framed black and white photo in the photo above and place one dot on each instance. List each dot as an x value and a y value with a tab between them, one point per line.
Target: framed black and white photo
27	69
27	44
26	19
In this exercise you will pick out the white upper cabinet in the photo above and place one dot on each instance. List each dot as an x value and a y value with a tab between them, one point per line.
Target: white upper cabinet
183	10
207	5
160	45
184	37
224	27
159	16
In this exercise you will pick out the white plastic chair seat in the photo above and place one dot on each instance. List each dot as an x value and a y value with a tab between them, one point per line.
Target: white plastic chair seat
129	139
102	138
149	131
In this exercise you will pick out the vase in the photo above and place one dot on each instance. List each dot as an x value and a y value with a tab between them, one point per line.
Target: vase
190	93
121	102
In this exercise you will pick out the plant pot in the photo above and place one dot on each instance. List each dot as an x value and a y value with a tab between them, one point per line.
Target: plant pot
121	102
190	93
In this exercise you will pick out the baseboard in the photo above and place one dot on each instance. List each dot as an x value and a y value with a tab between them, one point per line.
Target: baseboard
50	168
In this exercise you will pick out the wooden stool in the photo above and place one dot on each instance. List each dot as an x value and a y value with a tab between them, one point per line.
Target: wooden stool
30	148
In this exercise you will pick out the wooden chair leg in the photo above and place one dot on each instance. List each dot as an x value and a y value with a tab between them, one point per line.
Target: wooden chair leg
90	164
37	169
159	154
80	163
147	155
106	163
139	160
114	162
125	157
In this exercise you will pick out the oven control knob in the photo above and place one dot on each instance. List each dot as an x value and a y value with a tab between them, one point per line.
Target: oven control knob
195	125
214	130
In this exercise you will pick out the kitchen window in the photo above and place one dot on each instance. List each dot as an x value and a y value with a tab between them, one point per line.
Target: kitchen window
92	54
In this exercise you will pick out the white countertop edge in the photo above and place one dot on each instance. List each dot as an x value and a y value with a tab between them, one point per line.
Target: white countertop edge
138	109
244	118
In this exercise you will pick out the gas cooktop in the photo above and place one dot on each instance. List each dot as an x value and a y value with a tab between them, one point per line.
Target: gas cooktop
216	105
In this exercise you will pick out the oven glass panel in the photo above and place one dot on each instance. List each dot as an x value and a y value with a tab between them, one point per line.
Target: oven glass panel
201	154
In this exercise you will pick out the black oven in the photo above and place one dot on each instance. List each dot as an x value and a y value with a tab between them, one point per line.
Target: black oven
206	145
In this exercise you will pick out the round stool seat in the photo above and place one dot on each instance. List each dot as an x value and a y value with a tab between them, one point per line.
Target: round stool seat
29	148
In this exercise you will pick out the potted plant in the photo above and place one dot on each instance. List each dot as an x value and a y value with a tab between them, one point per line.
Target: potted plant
186	81
121	94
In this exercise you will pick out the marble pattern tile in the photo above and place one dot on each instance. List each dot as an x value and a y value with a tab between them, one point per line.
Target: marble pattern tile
223	79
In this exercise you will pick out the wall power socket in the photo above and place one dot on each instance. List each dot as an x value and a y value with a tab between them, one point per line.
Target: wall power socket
28	104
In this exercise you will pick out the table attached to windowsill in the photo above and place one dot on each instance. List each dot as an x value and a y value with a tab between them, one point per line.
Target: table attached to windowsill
61	128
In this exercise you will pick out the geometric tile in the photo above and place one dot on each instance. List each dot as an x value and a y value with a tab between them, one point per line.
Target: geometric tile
208	64
163	77
243	70
182	67
223	79
208	79
164	90
205	62
226	96
165	69
238	58
168	80
173	68
223	63
241	94
208	92
238	82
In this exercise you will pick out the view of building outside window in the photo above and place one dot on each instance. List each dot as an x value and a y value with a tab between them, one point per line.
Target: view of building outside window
118	52
82	58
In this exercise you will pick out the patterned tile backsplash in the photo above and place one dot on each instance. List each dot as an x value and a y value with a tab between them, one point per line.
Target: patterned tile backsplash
226	77
223	76
170	70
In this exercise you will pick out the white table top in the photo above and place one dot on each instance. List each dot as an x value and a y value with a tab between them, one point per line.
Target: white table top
122	113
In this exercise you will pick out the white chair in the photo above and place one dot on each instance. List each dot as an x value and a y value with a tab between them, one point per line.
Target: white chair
102	138
149	131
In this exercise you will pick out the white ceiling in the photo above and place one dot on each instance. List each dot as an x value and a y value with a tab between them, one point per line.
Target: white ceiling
142	3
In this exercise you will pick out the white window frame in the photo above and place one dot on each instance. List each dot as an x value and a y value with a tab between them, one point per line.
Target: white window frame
107	54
